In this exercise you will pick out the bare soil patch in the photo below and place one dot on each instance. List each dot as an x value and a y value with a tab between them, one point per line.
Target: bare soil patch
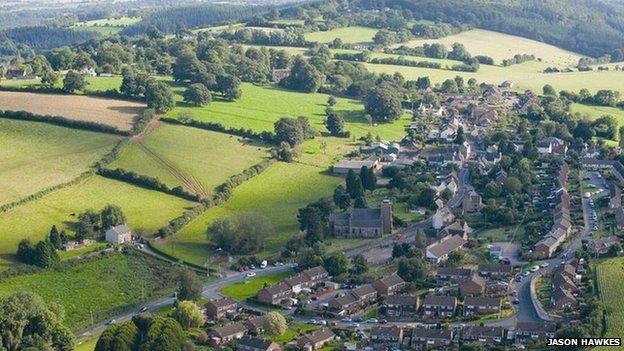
117	113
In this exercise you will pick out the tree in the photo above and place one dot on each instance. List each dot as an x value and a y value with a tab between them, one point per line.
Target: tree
336	264
190	287
331	101
284	152
49	78
112	216
159	96
73	81
455	258
229	86
303	76
359	265
293	130
385	37
460	137
55	238
411	269
342	199
244	233
368	178
606	97
423	83
163	334
28	323
334	123
549	90
449	86
354	185
275	323
383	105
360	202
89	225
188	315
45	255
308	258
118	337
197	94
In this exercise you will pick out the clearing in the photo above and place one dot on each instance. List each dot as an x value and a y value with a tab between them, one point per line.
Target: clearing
35	156
249	288
610	276
103	286
145	210
276	193
501	46
117	113
107	26
199	160
349	35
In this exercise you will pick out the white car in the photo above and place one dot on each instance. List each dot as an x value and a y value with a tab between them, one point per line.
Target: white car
544	265
250	274
535	268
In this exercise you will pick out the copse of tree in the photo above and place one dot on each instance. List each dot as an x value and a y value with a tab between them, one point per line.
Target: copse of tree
73	81
383	105
303	76
229	86
313	220
341	197
197	94
43	254
134	85
159	96
188	314
243	234
143	332
293	130
285	152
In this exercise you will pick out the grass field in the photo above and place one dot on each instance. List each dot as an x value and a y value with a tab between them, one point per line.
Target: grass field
350	35
117	113
94	84
501	46
277	193
249	288
35	156
107	26
103	286
196	159
595	112
610	276
144	209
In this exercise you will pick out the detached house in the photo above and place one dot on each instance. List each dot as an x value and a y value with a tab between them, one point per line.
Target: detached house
227	333
552	145
248	343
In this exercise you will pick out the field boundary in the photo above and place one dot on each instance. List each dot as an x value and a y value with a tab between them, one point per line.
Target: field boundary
62	122
265	136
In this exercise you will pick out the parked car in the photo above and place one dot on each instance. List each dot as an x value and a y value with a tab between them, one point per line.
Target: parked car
250	274
111	322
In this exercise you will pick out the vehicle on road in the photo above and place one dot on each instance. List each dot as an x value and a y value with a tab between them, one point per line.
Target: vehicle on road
544	265
111	322
143	309
372	320
516	302
250	274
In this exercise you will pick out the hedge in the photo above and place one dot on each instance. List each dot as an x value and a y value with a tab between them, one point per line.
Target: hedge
63	122
147	182
265	136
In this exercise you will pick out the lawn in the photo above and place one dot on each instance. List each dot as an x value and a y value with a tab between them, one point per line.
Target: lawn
276	193
501	46
610	276
102	286
35	156
71	254
196	159
260	106
145	210
249	288
350	35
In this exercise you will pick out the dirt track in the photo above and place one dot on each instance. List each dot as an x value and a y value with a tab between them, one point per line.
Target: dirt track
117	113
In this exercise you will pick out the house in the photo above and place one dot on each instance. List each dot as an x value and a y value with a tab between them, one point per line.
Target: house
402	306
483	334
472	203
353	300
481	305
602	246
473	286
277	74
615	195
365	293
437	306
363	222
431	338
439	250
534	331
497	270
389	285
274	295
118	235
227	333
562	298
386	337
456	228
255	325
442	217
249	343
343	167
220	308
552	145
452	274
316	339
315	275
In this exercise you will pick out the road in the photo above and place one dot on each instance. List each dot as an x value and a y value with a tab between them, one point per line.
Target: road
210	289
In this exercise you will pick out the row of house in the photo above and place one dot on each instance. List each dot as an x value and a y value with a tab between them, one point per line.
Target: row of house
283	291
365	295
564	285
562	224
248	340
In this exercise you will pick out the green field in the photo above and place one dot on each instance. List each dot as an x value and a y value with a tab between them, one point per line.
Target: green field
103	286
94	84
594	112
610	276
35	156
196	159
501	46
277	193
107	26
249	288
350	35
144	209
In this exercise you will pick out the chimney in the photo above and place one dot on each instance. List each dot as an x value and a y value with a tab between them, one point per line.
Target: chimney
386	216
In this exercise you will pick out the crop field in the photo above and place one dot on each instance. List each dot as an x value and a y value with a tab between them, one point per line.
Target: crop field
196	159
277	193
249	288
501	46
117	113
35	156
350	35
145	210
102	286
610	276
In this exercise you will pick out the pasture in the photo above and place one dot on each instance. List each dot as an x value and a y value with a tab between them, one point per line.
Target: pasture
610	274
276	193
117	113
102	286
35	156
145	210
501	46
94	84
107	26
249	288
349	35
195	159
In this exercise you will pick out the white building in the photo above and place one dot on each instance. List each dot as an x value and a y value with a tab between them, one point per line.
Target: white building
118	235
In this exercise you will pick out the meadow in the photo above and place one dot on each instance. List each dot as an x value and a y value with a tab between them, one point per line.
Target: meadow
277	193
610	276
117	113
107	26
35	156
349	35
94	84
100	287
196	159
249	288
145	210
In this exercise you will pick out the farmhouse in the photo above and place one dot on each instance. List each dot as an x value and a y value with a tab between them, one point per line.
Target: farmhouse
363	222
118	235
